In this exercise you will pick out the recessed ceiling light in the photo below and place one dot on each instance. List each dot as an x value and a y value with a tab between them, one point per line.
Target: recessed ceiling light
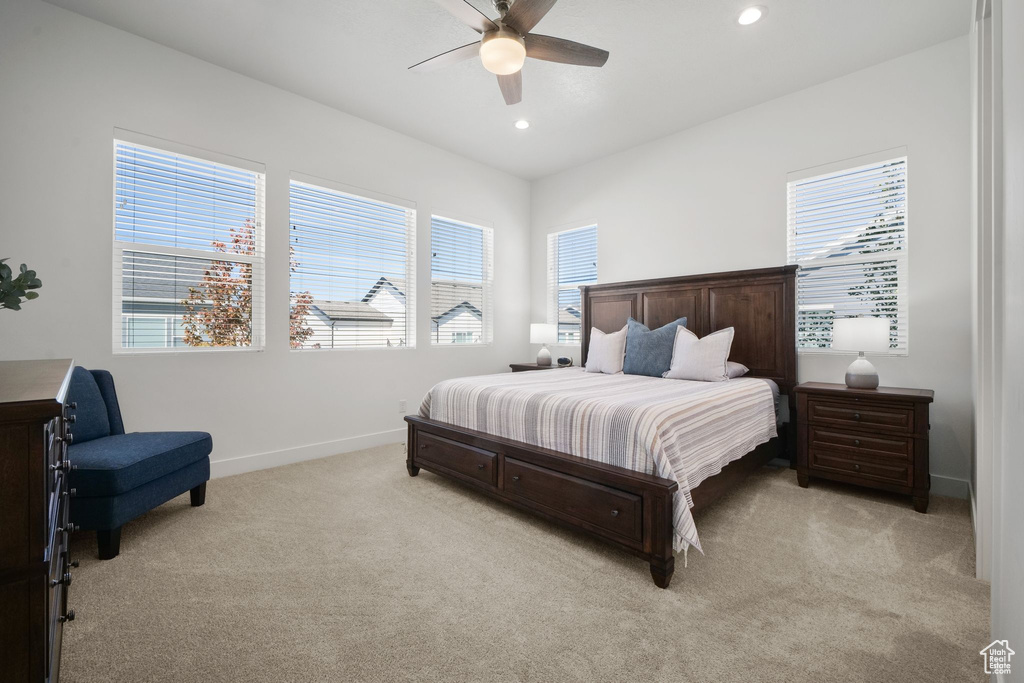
522	124
752	15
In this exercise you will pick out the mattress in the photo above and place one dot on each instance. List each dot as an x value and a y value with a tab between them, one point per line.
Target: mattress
677	429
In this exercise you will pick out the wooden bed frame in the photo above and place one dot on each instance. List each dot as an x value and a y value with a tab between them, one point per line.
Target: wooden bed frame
630	509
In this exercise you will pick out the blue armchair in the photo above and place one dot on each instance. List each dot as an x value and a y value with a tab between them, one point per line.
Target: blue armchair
118	476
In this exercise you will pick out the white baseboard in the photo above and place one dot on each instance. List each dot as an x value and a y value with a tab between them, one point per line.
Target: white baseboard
950	486
974	511
262	461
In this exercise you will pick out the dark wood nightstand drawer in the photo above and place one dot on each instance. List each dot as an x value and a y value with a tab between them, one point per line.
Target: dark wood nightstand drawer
856	444
867	415
465	462
889	470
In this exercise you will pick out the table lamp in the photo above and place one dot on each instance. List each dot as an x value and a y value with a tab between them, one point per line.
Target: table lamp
543	334
862	335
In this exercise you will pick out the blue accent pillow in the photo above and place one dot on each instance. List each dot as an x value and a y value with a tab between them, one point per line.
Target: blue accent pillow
91	421
649	352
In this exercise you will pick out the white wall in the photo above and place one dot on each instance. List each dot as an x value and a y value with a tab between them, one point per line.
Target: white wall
1008	470
66	82
713	198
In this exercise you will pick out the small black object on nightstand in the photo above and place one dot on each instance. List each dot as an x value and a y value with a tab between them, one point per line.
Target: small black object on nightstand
872	437
525	367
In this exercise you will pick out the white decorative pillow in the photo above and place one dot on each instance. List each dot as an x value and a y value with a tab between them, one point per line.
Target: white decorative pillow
735	370
606	351
704	359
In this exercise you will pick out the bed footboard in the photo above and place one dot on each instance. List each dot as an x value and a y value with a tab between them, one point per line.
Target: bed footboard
628	509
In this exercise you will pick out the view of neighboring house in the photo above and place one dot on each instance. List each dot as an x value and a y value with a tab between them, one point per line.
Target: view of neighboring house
379	318
152	289
152	312
455	312
569	325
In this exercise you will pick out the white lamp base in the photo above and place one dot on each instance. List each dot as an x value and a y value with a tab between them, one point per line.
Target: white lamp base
544	356
861	374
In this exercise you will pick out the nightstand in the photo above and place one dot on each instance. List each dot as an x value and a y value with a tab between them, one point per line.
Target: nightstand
871	437
526	367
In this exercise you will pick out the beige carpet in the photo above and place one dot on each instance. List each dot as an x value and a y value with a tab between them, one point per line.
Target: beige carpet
347	569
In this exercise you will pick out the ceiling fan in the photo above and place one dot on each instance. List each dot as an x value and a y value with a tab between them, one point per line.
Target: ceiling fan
506	43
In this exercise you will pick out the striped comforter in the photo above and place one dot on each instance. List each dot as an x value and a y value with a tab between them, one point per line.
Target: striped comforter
677	429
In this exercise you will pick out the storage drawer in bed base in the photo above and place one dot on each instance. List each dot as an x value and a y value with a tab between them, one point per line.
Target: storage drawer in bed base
629	509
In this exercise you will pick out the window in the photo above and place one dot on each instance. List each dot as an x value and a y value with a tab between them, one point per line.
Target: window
352	264
188	251
460	282
848	233
572	261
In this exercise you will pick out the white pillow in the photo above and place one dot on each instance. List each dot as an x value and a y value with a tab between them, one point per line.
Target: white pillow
700	359
606	351
735	370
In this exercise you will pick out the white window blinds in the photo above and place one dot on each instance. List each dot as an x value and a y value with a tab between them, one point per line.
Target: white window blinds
188	251
461	266
572	261
352	263
848	233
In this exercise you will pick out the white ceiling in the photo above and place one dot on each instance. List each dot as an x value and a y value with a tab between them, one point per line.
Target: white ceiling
673	64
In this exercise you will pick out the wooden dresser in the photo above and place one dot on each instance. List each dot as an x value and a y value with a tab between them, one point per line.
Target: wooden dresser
35	571
872	437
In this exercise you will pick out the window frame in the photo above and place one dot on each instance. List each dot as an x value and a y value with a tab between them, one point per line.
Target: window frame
257	260
487	283
901	256
553	288
411	237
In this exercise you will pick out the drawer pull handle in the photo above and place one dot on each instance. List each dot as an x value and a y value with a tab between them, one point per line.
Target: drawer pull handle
480	466
856	467
66	580
856	442
856	416
515	478
70	616
615	513
423	446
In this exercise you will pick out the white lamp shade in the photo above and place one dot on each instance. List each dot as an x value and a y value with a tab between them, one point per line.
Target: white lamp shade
543	333
870	335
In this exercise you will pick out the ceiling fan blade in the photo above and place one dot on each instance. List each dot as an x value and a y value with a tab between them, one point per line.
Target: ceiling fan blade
563	51
524	14
468	15
511	87
448	58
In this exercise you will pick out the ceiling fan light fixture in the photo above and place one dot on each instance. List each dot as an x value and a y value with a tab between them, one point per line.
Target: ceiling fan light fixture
752	15
502	52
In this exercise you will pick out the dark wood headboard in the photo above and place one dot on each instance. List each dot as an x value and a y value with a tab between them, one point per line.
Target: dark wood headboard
759	304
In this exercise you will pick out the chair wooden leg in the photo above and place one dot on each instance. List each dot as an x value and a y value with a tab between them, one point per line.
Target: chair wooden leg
198	495
109	542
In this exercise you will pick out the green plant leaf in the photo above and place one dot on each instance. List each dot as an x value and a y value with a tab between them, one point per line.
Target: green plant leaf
31	295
